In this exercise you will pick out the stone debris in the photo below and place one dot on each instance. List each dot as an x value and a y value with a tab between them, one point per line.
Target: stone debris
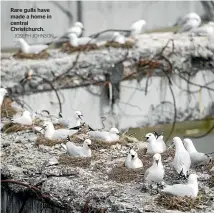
103	180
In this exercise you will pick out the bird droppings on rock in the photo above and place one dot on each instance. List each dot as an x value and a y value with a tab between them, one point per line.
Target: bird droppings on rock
42	55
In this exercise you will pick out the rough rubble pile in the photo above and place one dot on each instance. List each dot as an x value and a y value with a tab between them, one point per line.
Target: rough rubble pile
102	181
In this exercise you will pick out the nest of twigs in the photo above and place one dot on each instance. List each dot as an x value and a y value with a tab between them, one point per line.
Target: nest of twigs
42	55
6	109
47	142
83	162
68	48
121	174
114	44
13	127
99	144
182	203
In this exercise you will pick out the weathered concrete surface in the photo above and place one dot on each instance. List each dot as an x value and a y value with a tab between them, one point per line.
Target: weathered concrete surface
93	64
189	55
72	186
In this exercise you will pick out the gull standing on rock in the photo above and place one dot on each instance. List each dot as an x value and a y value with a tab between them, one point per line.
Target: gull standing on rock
190	189
3	92
197	158
31	49
181	161
111	136
188	22
78	151
132	161
136	27
155	145
155	173
24	119
52	134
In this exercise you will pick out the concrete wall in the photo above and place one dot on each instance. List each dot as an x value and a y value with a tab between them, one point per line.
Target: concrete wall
98	15
134	109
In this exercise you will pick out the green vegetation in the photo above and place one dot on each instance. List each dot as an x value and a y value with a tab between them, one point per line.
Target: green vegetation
186	128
